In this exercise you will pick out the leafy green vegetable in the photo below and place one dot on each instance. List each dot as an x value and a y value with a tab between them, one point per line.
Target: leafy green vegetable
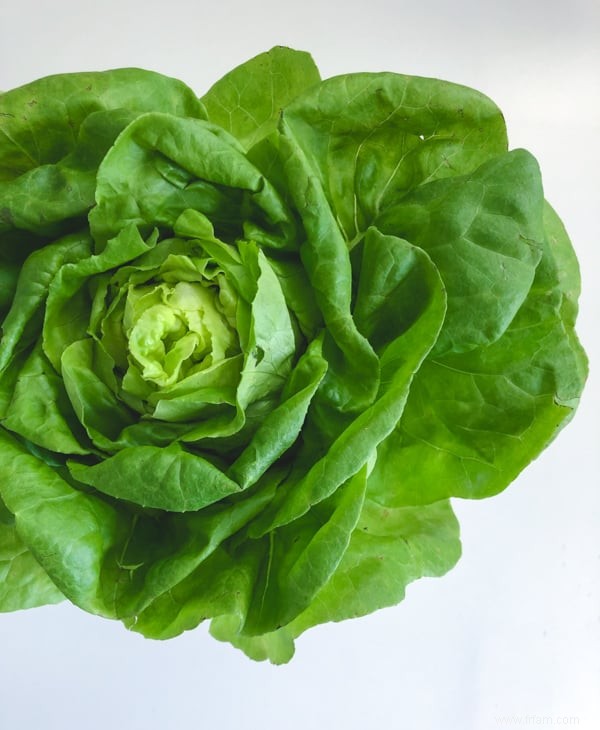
253	343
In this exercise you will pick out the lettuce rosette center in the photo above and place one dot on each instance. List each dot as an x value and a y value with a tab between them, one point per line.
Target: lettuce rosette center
173	331
165	324
195	333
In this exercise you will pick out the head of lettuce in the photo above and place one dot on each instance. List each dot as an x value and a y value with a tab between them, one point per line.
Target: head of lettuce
252	343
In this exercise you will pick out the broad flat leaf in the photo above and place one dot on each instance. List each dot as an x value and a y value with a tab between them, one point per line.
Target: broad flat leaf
23	582
164	478
389	133
56	131
248	101
163	165
473	421
389	549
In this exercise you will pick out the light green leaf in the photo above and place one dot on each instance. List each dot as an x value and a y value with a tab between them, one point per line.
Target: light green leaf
57	130
40	411
401	358
247	101
484	233
280	429
163	165
163	478
389	549
23	582
69	305
474	421
68	532
368	138
22	323
352	377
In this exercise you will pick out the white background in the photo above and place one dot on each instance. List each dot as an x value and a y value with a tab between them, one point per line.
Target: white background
511	637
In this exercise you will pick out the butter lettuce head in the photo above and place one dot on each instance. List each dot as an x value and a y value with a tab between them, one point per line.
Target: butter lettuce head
253	343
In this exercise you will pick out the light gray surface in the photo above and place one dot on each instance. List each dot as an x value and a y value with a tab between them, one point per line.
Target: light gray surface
511	637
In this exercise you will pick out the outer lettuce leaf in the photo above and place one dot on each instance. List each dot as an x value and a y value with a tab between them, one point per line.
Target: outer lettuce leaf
104	557
484	232
40	410
54	109
389	133
353	376
389	549
163	165
282	427
474	421
70	533
23	582
57	130
248	101
179	481
9	273
21	325
302	556
255	587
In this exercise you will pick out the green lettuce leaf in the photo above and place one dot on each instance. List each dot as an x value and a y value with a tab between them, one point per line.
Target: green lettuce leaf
23	582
